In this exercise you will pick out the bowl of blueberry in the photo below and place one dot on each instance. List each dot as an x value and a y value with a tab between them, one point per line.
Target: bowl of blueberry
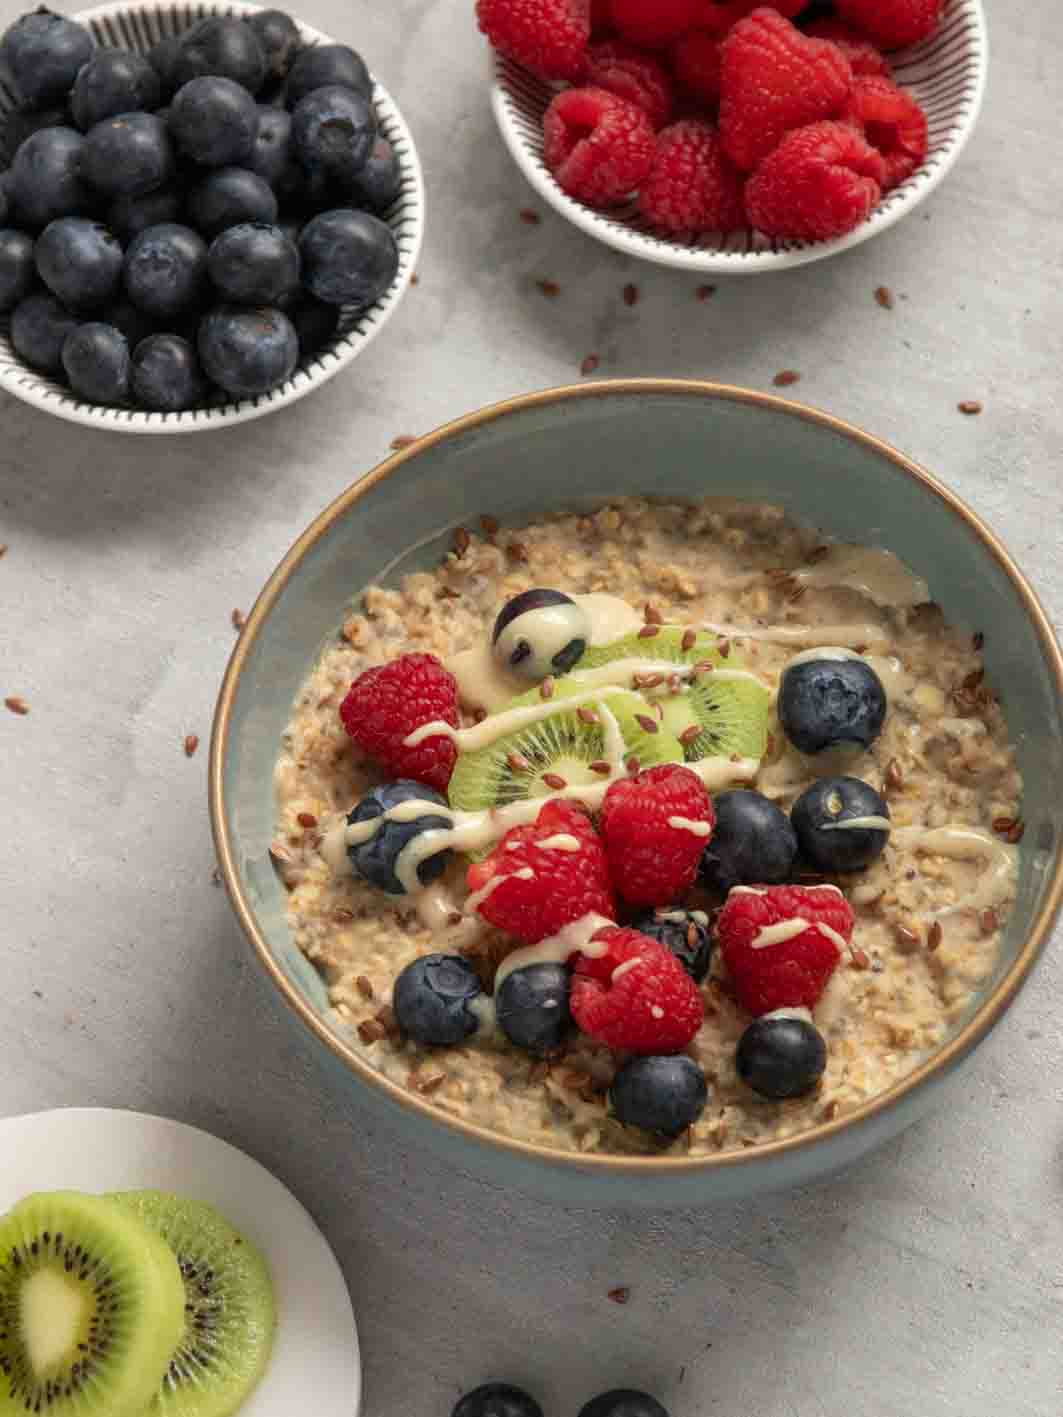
203	215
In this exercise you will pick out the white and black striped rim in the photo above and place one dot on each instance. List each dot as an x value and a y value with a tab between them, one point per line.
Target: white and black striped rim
946	73
140	27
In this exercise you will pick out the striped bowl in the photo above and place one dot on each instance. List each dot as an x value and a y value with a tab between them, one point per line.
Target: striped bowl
139	27
947	74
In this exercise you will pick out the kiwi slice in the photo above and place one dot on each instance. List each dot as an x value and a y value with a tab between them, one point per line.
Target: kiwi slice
229	1310
91	1305
730	714
561	747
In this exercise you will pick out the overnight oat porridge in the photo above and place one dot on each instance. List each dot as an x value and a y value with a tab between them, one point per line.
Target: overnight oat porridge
709	843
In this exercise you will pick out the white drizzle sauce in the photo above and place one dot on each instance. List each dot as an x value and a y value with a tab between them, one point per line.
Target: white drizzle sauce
478	897
625	968
967	844
878	824
576	938
563	841
871	571
801	1013
831	933
684	824
851	634
779	933
682	916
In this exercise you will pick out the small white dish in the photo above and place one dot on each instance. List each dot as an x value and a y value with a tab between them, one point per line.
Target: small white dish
96	1150
947	74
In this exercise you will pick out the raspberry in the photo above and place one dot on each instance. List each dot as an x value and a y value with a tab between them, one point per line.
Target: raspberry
774	79
791	972
599	147
636	995
629	73
385	705
820	182
893	122
549	37
601	17
722	15
692	187
563	885
893	24
862	55
655	23
651	861
696	61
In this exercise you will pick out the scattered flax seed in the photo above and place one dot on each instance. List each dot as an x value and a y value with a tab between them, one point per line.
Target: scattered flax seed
426	1083
529	217
455	918
675	684
647	681
988	921
191	744
830	1111
3	549
633	765
1003	825
647	724
690	735
796	593
238	619
415	279
1017	832
652	615
723	649
884	296
479	715
704	292
978	641
462	541
369	1031
16	704
307	820
621	1295
785	377
549	288
973	680
648	632
894	775
816	555
934	936
555	781
364	985
689	640
905	936
631	295
590	364
489	525
404	440
343	916
970	407
546	688
517	551
518	762
860	960
601	767
587	715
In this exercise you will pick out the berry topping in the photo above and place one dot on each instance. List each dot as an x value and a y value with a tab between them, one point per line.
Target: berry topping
824	703
376	859
349	258
599	147
781	1055
384	706
842	824
893	24
656	826
43	52
497	1400
627	71
893	122
659	1094
696	61
539	633
96	361
80	262
320	65
775	79
432	997
532	1008
686	933
623	1402
549	37
542	877
655	23
692	187
820	182
862	55
753	842
636	995
781	944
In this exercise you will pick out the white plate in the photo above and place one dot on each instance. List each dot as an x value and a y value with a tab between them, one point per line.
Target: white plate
92	1149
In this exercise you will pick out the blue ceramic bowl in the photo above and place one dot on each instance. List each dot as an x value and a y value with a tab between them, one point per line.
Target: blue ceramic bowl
518	461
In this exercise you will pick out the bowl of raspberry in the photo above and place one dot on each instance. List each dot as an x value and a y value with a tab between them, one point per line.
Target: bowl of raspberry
729	137
184	244
644	848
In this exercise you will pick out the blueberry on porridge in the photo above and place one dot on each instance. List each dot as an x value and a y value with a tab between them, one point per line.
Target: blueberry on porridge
664	826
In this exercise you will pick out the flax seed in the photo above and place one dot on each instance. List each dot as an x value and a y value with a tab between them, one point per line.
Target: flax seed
796	594
934	936
1003	825
549	288
884	297
894	776
529	217
816	555
403	440
426	1083
652	615
369	1031
517	762
690	735
364	985
590	364
1017	832
587	715
647	724
631	295
860	960
648	632
704	292
555	781
970	407
601	768
387	1020
689	640
517	551
988	921
462	541
621	1295
830	1111
785	377
723	649
633	765
307	820
647	681
546	688
238	619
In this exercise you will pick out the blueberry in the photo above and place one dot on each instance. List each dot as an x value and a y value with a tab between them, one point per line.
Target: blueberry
333	131
213	121
323	65
623	1402
229	196
114	81
532	1008
842	824
752	842
497	1400
46	177
540	632
665	1095
133	323
39	326
18	270
247	350
224	47
279	37
374	859
349	258
43	53
80	262
96	360
378	184
273	158
431	999
129	216
686	933
128	155
163	59
16	127
166	375
315	322
781	1055
166	270
824	703
253	264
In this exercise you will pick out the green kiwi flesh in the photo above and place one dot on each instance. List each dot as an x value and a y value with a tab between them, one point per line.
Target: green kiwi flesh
229	1311
91	1306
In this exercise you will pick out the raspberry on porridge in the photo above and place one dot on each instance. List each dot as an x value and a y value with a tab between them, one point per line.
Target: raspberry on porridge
474	911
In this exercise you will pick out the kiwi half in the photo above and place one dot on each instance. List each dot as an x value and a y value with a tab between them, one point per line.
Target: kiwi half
730	714
229	1312
561	747
91	1305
